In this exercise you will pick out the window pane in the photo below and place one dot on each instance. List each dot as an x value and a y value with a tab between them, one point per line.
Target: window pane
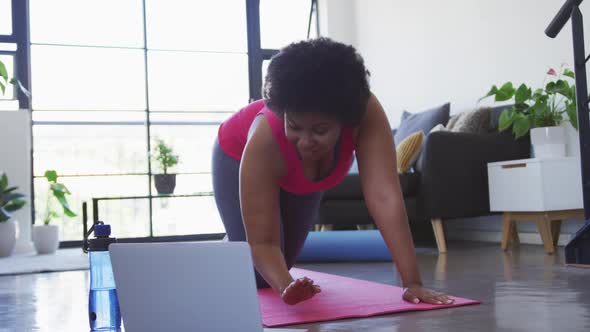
185	118
90	117
184	216
92	23
313	29
8	102
126	216
192	143
197	81
201	25
283	22
8	61
265	64
90	149
11	47
5	17
85	78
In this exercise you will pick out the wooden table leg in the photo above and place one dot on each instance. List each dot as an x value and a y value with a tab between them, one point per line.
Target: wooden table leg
327	227
555	231
514	239
506	230
439	235
544	225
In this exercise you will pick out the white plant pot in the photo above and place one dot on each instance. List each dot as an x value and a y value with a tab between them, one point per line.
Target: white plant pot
46	238
548	142
7	237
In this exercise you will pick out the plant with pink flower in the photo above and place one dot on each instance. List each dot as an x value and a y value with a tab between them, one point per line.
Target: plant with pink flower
543	107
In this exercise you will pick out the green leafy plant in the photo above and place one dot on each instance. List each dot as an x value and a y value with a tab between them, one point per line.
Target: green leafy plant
164	155
5	80
3	77
10	201
58	191
543	107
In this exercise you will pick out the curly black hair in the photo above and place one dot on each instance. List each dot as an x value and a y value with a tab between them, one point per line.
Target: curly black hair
318	75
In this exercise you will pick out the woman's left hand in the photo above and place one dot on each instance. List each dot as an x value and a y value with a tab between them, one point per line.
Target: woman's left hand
417	294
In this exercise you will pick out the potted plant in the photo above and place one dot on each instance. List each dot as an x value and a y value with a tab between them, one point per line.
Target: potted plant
46	236
165	157
540	111
10	201
4	81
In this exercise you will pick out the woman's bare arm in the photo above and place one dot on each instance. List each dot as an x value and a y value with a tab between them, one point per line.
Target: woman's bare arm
260	171
378	169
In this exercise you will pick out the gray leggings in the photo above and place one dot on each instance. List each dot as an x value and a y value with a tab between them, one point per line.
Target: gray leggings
298	212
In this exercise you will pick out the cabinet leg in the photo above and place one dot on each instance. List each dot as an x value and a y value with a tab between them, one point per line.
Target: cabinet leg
544	226
555	231
514	235
509	232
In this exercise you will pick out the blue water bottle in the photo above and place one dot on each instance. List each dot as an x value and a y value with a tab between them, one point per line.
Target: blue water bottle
103	304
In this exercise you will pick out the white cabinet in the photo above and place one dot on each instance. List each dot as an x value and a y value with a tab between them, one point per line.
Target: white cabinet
535	184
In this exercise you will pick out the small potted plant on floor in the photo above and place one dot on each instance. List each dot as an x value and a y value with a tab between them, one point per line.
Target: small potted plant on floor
165	158
10	201
541	111
46	236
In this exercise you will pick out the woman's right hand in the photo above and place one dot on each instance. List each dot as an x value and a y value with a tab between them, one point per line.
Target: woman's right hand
299	290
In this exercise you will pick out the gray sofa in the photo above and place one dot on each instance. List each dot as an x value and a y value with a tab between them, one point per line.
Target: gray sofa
448	181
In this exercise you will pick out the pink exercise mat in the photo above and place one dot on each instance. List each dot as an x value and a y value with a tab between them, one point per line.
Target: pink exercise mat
340	298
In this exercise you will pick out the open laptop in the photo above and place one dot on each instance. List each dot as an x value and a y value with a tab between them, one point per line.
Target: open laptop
186	286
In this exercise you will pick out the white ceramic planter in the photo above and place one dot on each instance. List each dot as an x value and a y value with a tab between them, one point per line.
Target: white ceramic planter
548	142
7	237
46	238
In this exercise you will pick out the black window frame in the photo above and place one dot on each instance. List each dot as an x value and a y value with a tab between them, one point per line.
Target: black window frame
22	64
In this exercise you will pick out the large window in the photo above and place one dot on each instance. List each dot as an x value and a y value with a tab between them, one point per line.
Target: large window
109	76
5	17
7	55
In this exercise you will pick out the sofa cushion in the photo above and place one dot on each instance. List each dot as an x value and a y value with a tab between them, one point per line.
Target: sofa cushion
350	188
344	212
409	183
423	121
438	127
408	151
474	122
452	120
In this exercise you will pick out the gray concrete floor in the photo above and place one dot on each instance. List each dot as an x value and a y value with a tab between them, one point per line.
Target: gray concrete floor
522	290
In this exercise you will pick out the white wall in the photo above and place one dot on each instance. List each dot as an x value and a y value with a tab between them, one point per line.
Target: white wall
338	20
15	161
424	53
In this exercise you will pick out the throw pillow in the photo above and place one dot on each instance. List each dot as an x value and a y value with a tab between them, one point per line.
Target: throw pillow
408	151
423	121
475	122
453	120
438	127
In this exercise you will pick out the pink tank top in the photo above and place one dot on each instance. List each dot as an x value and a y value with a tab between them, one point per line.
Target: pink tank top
233	134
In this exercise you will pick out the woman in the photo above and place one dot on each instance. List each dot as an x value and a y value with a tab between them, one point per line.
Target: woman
274	158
